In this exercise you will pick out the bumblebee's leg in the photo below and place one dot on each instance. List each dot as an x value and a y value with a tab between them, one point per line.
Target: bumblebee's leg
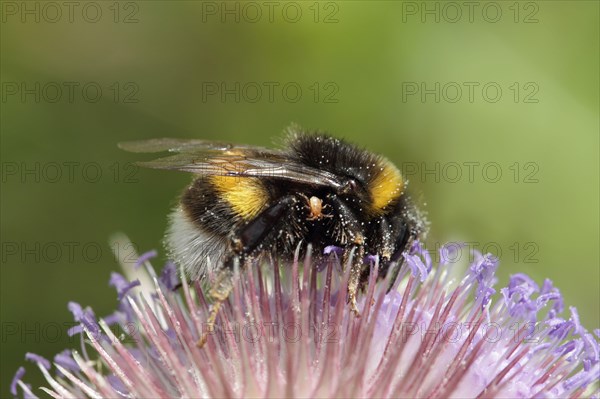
218	294
250	237
389	235
355	273
383	235
402	238
353	239
244	242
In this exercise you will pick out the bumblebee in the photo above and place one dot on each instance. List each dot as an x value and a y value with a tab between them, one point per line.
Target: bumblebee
317	189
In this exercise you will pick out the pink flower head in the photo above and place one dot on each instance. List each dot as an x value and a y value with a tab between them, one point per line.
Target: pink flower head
287	331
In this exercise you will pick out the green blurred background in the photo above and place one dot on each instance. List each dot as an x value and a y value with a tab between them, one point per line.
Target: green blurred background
171	69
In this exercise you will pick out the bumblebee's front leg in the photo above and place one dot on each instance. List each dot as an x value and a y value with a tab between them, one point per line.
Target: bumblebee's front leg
390	235
244	242
350	234
355	272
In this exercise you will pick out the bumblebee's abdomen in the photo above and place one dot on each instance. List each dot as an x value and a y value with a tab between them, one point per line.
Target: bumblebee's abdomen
246	196
220	204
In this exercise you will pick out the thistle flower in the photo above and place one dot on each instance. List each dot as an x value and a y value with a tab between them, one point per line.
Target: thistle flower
288	332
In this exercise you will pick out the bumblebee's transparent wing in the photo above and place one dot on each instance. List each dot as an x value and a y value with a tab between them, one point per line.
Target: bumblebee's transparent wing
213	158
176	145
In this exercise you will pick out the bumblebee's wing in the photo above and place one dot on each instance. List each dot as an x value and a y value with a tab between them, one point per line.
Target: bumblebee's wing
177	145
223	159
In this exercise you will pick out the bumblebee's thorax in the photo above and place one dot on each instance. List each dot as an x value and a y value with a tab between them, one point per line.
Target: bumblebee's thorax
373	180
